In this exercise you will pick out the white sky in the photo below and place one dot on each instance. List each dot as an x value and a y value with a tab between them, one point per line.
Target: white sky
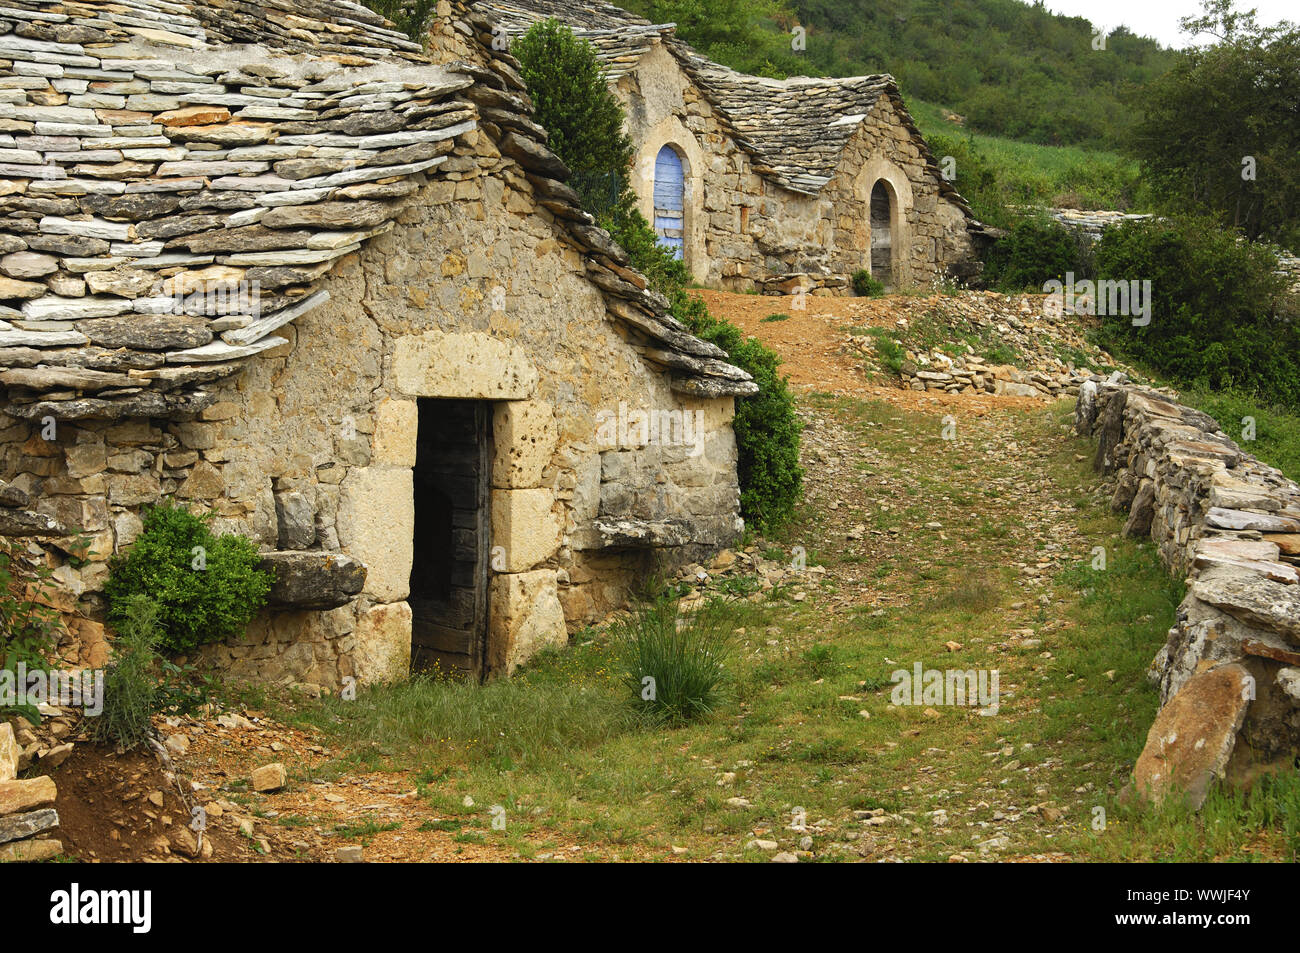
1159	18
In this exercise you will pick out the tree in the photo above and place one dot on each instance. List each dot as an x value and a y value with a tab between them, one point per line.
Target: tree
1220	133
585	120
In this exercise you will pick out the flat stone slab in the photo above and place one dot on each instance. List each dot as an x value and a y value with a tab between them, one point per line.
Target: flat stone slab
17	796
20	826
1252	599
1225	518
313	580
1192	738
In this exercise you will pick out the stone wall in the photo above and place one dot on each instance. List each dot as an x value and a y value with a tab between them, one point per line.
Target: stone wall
746	232
1229	675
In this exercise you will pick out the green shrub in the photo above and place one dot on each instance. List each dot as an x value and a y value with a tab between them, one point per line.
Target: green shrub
864	286
674	666
629	228
584	119
1036	250
207	588
1220	314
131	691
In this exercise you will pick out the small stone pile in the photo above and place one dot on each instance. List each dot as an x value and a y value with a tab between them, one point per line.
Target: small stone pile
750	562
1229	675
27	813
1051	355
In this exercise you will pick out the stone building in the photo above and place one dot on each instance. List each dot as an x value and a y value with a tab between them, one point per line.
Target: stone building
770	184
277	261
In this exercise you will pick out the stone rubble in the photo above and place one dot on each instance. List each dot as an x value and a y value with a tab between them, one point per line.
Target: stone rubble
27	813
1052	356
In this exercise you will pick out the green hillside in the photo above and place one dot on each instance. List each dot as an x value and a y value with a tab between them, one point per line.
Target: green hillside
1009	68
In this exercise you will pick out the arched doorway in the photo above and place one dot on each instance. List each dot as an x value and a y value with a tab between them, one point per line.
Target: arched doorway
882	238
670	200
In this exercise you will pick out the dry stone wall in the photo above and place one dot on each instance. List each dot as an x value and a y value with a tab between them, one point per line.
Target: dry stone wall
1229	674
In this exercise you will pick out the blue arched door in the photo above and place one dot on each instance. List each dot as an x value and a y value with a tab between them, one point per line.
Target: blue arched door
670	204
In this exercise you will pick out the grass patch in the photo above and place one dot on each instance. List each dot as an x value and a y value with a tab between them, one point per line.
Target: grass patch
1276	429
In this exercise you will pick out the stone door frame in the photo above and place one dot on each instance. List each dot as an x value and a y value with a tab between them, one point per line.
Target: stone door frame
670	132
377	511
899	187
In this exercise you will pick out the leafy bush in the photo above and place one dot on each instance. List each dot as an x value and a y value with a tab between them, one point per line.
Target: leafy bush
1220	314
207	587
131	692
629	228
864	286
892	354
1218	131
584	119
1036	250
675	666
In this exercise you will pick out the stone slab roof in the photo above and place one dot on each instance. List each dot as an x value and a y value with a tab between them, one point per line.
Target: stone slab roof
795	129
158	159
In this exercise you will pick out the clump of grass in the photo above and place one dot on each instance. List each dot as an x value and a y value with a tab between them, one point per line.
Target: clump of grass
542	712
866	286
975	593
365	829
891	353
131	692
821	660
776	317
673	664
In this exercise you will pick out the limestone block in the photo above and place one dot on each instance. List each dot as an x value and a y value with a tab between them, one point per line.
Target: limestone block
396	425
203	483
524	436
525	525
9	752
383	646
526	618
16	796
269	777
86	459
470	366
1193	736
376	524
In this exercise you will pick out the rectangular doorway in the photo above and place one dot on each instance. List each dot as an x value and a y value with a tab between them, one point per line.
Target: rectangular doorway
449	572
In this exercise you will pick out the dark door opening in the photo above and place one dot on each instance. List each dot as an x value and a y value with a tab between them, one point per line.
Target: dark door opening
449	572
882	246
